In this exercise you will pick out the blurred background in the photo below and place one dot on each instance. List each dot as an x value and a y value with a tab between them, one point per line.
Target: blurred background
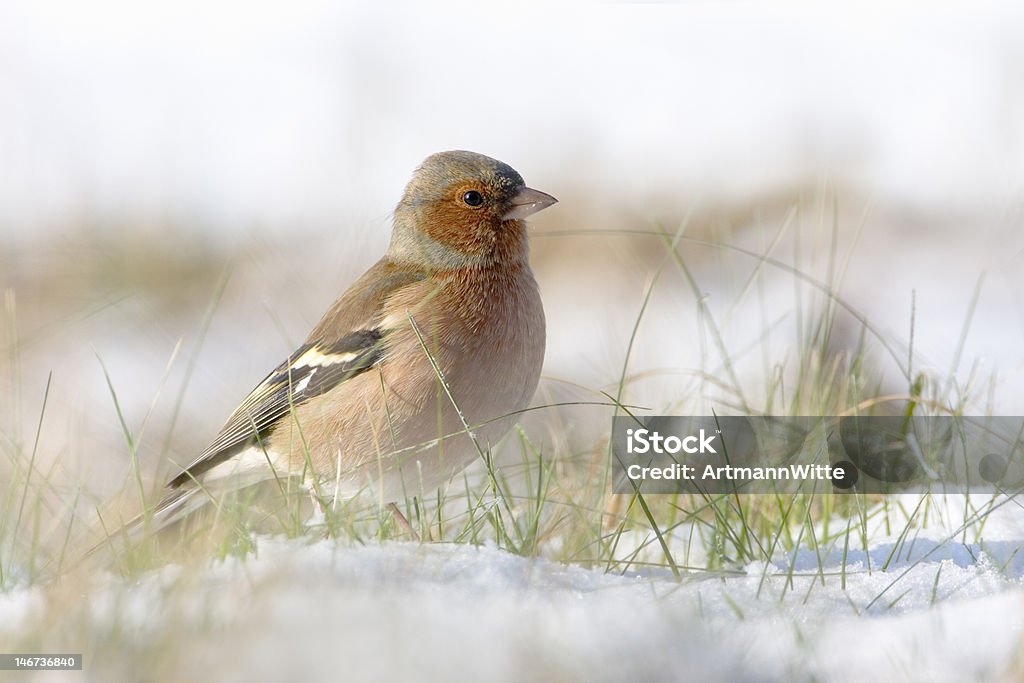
185	186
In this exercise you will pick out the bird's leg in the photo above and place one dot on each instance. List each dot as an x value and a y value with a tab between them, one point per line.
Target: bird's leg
320	506
319	515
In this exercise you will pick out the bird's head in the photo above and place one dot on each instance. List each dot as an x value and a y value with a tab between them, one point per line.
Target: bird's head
462	209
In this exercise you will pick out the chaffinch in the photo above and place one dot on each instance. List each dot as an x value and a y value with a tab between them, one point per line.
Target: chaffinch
445	332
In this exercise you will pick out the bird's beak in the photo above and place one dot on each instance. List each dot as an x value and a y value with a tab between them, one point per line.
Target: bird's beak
527	202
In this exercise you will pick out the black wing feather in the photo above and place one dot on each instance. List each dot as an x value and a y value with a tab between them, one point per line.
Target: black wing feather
287	386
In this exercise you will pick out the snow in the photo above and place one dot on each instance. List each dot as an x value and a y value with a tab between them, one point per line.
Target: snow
947	609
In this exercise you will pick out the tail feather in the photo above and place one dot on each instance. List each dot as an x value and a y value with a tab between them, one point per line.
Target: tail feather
176	505
245	468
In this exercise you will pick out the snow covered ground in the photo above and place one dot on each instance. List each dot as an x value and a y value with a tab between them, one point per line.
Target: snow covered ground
943	608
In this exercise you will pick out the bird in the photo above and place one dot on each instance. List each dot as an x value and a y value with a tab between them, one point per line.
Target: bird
420	366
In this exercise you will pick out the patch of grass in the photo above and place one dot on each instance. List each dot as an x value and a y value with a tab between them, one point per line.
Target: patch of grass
533	499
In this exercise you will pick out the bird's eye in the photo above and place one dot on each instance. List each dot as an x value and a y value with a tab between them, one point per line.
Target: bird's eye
473	198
